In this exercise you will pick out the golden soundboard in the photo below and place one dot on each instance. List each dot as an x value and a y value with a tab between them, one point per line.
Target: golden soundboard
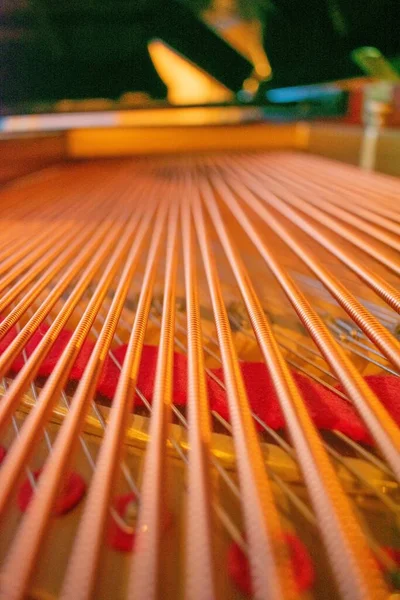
199	371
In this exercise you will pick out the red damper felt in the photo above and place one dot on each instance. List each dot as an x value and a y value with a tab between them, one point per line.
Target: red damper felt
147	372
327	410
393	553
387	389
73	491
118	538
29	347
302	566
122	540
109	378
8	338
394	572
146	377
54	354
82	360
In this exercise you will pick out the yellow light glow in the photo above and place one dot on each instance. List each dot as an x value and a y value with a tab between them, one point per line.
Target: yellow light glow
250	85
186	83
246	37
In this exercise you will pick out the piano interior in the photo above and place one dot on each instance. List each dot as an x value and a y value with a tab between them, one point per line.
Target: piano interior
200	336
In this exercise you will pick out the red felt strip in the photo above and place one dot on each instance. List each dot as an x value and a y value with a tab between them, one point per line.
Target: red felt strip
8	338
302	566
147	372
73	491
394	571
328	410
387	389
117	538
54	353
124	540
393	553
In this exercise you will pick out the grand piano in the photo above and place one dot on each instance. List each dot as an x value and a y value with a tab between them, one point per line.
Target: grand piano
199	308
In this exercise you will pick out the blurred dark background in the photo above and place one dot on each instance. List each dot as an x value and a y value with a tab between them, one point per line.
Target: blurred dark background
98	48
